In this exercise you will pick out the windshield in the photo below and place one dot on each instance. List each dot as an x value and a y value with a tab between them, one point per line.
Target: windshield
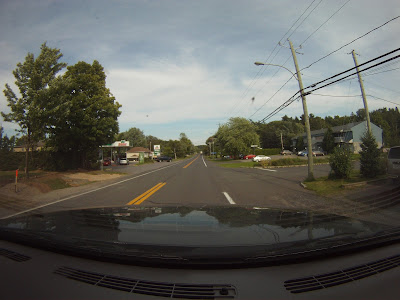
198	129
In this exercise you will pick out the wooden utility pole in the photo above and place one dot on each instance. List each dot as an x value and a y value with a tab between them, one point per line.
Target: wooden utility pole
306	119
362	91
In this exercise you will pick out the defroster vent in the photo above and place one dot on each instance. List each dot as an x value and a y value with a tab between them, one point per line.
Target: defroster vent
153	288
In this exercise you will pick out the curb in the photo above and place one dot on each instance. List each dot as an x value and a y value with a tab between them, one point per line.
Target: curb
291	166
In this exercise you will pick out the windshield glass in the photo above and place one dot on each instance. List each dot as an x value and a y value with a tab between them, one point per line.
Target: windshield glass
246	128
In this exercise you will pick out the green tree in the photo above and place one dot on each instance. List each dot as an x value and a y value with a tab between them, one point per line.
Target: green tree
135	136
328	144
82	113
369	156
300	143
237	135
340	162
33	78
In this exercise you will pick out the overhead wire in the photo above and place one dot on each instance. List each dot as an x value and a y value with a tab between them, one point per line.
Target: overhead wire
340	8
348	70
372	30
292	99
261	71
384	100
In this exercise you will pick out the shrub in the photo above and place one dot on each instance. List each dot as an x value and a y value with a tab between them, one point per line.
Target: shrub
369	156
265	163
340	162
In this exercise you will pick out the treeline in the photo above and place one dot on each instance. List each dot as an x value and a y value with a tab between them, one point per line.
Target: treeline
270	133
238	134
73	113
174	148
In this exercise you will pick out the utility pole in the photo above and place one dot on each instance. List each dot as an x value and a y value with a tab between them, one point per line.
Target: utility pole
306	119
362	91
281	141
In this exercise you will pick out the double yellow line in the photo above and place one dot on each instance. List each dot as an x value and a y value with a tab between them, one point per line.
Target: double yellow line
147	194
191	162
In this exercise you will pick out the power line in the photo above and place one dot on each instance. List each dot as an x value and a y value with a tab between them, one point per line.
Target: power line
292	99
340	79
348	70
376	28
305	18
336	96
261	71
383	100
324	23
272	97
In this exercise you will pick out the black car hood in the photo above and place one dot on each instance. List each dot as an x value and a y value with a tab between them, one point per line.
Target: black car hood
188	235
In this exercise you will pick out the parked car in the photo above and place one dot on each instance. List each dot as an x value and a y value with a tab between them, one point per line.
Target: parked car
302	153
318	153
124	161
107	162
259	158
164	158
249	156
393	164
286	152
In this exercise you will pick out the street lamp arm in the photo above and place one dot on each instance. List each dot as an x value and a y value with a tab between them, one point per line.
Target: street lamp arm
257	63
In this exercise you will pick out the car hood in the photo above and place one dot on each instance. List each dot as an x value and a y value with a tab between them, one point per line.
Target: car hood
189	235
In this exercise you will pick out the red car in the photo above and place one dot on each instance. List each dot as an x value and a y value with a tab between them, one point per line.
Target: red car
107	162
249	156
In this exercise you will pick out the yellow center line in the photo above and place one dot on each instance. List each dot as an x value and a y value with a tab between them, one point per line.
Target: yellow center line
191	162
147	193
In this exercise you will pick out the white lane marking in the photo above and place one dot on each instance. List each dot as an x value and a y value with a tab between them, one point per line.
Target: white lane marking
270	170
87	192
204	161
228	198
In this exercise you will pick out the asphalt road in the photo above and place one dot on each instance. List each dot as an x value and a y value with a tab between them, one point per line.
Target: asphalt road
198	182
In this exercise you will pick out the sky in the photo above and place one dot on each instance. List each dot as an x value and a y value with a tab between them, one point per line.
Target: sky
188	66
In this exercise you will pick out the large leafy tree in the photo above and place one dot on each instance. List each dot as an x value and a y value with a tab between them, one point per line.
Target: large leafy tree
135	136
33	78
237	135
82	112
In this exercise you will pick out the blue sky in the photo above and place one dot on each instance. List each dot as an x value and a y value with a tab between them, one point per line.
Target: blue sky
187	66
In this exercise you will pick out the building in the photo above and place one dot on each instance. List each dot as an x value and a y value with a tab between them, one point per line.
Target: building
348	134
38	147
133	154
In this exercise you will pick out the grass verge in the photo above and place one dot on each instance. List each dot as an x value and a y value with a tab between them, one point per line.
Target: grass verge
56	183
325	186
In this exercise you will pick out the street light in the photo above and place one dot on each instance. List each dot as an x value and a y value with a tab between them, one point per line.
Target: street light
306	119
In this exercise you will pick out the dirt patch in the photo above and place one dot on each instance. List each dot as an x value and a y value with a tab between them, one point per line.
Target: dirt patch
90	177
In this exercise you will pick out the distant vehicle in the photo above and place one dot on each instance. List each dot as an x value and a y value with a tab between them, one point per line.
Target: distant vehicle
286	152
227	156
249	156
164	158
302	153
124	161
241	156
259	158
393	164
107	162
318	153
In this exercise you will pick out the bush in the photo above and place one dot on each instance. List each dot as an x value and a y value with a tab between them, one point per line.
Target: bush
340	162
271	151
265	163
369	156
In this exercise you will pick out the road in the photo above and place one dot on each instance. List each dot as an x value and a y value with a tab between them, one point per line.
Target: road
196	182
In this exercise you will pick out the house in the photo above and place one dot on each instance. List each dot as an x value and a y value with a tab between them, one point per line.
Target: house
348	134
38	147
133	153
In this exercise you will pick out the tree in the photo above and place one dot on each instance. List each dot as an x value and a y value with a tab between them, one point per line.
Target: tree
340	162
369	156
33	78
237	135
135	136
82	113
300	143
328	144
